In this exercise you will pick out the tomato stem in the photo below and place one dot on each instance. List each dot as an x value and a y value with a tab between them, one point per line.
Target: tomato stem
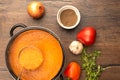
68	78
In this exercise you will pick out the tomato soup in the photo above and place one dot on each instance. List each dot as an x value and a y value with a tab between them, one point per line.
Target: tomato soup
36	53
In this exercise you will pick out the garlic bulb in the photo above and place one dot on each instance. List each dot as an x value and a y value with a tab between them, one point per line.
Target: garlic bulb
76	47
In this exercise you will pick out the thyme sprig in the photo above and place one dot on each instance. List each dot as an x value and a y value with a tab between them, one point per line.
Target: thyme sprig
89	64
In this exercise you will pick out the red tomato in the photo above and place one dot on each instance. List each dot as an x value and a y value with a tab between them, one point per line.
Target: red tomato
87	36
73	71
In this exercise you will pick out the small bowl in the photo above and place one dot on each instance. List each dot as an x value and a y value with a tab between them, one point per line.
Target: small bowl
65	8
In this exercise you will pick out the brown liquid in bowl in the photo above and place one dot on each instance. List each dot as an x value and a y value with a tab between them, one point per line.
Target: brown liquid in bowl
51	51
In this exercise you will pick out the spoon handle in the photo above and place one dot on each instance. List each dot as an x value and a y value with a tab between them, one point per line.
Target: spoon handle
18	78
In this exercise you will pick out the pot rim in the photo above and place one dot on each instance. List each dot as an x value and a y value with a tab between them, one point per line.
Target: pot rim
24	30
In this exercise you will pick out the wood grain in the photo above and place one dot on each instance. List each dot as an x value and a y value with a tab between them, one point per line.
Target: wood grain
103	15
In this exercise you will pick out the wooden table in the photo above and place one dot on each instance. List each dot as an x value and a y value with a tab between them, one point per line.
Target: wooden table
103	15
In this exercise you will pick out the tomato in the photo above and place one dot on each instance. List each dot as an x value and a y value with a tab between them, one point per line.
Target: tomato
87	36
73	71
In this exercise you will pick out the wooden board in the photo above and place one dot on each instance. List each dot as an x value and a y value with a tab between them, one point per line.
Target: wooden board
104	15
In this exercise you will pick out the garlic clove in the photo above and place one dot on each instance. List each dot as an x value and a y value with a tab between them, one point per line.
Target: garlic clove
76	47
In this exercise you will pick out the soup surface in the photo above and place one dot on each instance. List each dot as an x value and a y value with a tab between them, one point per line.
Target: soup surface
42	45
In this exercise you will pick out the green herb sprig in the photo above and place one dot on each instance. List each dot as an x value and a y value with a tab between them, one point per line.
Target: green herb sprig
89	64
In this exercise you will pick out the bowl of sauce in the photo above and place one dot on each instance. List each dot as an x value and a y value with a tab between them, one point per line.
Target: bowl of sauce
68	17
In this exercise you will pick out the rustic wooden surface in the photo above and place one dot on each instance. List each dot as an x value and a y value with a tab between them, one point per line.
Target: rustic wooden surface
104	15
